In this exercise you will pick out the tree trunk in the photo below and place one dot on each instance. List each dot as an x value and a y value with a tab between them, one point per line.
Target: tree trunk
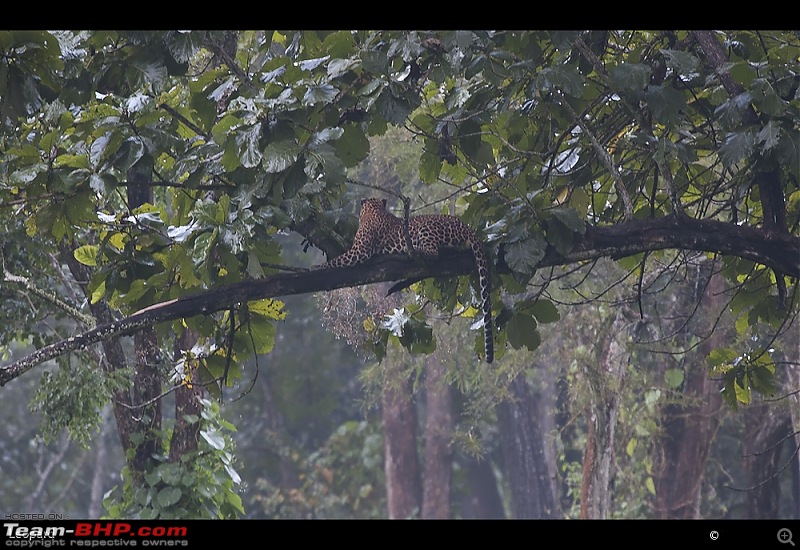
689	429
401	461
766	429
606	379
95	507
276	436
438	451
147	406
793	383
523	441
186	434
482	499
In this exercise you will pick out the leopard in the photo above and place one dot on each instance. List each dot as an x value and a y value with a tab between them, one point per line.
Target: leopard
381	232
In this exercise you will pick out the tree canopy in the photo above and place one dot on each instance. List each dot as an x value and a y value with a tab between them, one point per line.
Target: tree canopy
149	179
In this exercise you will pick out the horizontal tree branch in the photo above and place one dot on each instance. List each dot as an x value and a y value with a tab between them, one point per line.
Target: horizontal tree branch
781	252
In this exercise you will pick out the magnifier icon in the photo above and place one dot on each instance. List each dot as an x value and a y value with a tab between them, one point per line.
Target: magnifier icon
784	536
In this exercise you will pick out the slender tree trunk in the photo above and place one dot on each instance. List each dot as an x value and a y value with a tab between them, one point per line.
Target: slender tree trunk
606	380
686	442
276	437
438	451
766	429
793	384
523	442
146	389
482	499
95	508
146	376
401	461
690	429
188	394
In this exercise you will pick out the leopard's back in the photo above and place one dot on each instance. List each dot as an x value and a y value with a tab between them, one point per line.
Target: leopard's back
380	232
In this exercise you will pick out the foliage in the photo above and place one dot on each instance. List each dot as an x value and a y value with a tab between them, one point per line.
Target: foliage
203	484
72	398
273	130
535	138
342	479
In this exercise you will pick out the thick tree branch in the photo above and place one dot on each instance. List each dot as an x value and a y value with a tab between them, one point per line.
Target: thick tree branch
780	252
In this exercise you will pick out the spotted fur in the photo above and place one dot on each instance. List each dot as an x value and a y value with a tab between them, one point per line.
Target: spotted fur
380	232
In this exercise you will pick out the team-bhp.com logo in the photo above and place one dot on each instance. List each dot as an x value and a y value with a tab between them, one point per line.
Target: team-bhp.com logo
93	534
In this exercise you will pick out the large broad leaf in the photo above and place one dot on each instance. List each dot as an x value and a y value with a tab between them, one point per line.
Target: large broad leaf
544	311
353	146
665	103
683	62
630	77
279	156
324	93
247	143
523	256
565	78
145	68
522	332
570	219
730	113
87	254
737	146
183	44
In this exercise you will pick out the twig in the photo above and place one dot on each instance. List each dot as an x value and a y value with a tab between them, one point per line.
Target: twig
86	320
605	158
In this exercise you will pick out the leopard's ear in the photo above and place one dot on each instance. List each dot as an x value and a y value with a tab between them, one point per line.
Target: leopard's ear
363	201
384	203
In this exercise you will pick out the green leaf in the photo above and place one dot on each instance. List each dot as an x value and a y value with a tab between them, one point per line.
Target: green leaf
145	69
278	156
417	337
183	44
674	378
523	256
766	99
214	438
262	332
565	78
730	113
683	62
320	94
769	136
651	486
743	394
522	331
353	146
87	254
374	61
665	103
223	127
544	311
168	496
248	148
338	67
98	293
630	448
71	161
737	145
630	77
570	218
429	167
268	307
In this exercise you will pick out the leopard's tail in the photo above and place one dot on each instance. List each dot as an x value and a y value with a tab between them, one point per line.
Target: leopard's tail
484	282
